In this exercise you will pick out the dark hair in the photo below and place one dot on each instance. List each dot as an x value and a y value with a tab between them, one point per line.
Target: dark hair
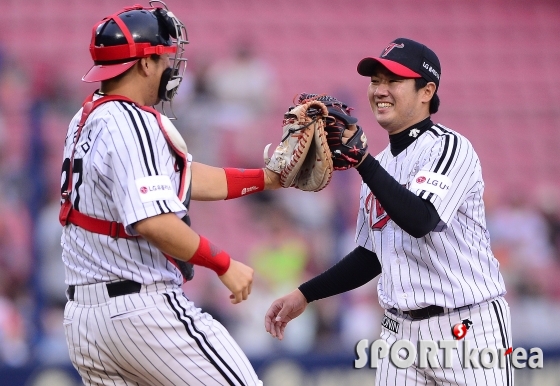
434	102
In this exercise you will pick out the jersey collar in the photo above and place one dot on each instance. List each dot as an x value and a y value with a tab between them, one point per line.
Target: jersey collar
402	140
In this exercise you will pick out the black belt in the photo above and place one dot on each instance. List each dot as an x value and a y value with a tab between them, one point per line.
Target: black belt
114	289
425	313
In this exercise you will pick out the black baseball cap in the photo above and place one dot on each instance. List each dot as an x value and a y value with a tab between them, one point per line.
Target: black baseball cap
406	58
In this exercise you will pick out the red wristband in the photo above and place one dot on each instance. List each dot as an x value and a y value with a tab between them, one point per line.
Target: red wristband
210	256
241	182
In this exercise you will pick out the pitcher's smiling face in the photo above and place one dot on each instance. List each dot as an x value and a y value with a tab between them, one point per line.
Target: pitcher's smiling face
395	102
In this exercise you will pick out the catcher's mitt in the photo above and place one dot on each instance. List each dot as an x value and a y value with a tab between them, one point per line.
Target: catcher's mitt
303	158
345	155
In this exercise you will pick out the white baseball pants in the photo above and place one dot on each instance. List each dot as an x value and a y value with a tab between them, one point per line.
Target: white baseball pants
490	329
155	337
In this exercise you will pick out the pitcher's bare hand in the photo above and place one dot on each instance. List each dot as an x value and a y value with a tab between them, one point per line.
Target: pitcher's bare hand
282	311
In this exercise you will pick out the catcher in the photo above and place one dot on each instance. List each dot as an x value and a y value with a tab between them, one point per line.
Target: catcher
127	181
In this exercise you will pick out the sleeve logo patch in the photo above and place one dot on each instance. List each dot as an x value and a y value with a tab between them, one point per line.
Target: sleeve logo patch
437	184
155	188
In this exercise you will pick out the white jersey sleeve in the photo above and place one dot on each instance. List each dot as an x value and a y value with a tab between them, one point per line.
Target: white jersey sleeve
449	172
136	164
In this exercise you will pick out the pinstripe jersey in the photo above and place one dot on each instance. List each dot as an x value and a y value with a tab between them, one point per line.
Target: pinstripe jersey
124	171
452	266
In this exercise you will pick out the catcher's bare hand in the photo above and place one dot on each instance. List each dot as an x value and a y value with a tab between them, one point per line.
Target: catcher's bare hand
271	179
239	280
282	311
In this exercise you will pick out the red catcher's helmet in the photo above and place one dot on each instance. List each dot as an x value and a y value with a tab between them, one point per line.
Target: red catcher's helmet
120	40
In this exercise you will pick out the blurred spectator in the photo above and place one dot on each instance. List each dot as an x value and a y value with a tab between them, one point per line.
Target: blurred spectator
244	84
245	88
15	247
282	254
51	269
548	205
519	237
15	222
280	259
14	350
52	348
48	231
3	141
548	201
519	234
533	320
196	108
15	100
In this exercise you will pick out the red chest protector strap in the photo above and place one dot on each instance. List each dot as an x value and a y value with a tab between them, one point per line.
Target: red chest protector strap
69	215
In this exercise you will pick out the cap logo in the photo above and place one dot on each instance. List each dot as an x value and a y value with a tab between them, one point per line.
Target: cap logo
390	47
430	69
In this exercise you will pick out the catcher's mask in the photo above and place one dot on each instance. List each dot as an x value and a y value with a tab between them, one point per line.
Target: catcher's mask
120	40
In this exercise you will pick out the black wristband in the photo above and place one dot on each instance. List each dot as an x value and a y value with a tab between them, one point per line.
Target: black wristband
354	270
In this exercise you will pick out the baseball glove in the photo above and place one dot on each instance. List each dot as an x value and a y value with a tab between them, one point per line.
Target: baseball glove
303	158
345	155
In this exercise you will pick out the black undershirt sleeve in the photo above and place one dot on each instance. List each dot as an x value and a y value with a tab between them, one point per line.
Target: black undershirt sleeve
414	215
354	270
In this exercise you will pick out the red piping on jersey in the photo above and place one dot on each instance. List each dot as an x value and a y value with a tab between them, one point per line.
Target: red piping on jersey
69	215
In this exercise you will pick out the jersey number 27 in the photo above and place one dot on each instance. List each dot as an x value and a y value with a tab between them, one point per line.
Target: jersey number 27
77	169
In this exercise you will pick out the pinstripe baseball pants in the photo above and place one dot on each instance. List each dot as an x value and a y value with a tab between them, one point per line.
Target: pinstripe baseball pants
490	329
155	337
